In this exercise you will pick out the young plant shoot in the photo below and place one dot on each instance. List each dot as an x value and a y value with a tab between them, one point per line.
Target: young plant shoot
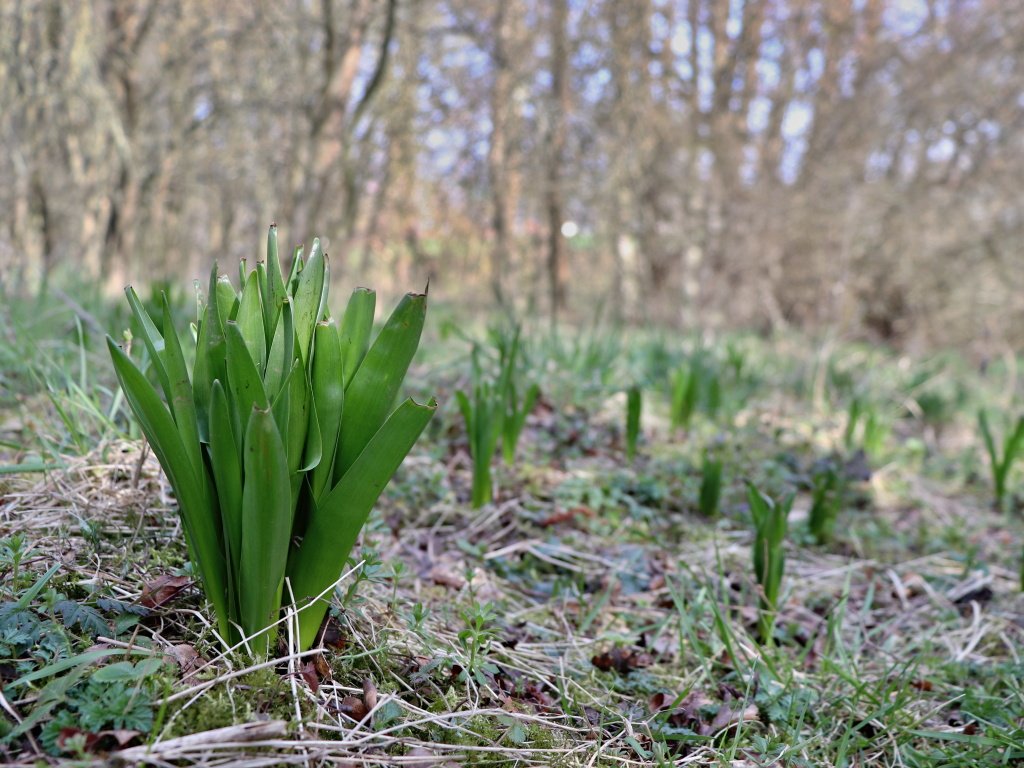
484	413
634	407
282	438
514	417
710	486
694	387
770	524
827	491
1001	464
493	412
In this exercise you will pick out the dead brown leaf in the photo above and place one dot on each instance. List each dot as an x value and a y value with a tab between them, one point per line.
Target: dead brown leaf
322	667
369	694
187	658
101	741
162	590
727	717
446	577
688	713
354	707
333	636
660	701
622	660
308	673
560	516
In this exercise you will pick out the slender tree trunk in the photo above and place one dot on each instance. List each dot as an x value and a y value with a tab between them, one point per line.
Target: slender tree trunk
556	257
497	153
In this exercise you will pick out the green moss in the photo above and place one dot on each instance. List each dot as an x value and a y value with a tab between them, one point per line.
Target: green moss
260	694
491	731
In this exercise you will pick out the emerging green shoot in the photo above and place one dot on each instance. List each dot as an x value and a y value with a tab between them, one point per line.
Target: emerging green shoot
852	417
484	413
827	493
874	434
735	359
865	429
1001	464
771	519
710	486
493	411
634	407
515	412
684	398
282	438
696	386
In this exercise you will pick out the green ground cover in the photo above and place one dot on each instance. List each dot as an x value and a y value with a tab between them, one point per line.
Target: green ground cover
601	610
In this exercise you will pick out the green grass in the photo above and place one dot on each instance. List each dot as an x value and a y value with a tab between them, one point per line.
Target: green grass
598	616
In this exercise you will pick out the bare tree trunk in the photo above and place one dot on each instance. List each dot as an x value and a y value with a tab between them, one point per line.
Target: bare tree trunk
497	152
556	266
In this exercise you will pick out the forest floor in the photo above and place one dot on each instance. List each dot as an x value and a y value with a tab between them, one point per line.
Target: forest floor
591	616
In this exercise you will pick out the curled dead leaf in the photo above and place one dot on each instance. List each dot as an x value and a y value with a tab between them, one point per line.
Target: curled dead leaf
333	636
308	673
445	577
100	741
660	701
322	667
727	717
622	660
353	706
162	590
186	657
565	516
369	694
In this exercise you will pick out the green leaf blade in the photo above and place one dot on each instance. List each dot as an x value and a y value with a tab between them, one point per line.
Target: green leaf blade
373	389
328	387
266	527
201	532
355	329
336	522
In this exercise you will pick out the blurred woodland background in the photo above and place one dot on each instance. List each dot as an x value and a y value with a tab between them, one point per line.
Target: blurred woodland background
854	165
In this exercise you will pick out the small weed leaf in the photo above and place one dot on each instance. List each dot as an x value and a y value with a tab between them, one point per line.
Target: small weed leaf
126	671
75	614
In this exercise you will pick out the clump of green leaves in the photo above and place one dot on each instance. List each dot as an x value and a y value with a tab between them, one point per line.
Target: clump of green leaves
117	697
695	386
476	640
40	630
586	359
771	520
1001	462
634	407
710	485
493	411
865	428
736	359
683	404
936	394
509	385
827	491
281	439
483	411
